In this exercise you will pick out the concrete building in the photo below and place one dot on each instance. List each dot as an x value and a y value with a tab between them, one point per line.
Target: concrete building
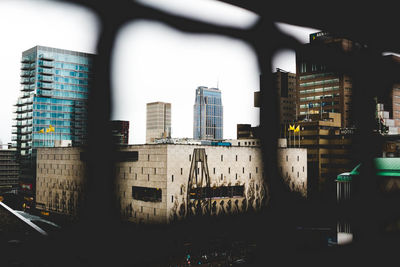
59	181
292	164
158	121
285	84
208	114
9	170
152	180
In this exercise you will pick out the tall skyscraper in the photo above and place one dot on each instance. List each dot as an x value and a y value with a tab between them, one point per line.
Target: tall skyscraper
54	91
208	114
158	121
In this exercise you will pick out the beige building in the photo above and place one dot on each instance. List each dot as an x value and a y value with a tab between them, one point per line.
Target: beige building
158	121
153	180
292	165
59	179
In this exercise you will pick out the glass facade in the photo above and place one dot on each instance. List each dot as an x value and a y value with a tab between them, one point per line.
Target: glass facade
54	91
208	114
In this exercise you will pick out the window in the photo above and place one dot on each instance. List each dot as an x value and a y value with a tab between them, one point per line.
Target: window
148	157
148	177
141	209
292	169
287	158
250	158
135	176
229	170
190	157
181	171
297	174
213	170
172	199
303	168
243	169
236	176
257	169
147	194
154	211
249	175
155	170
236	157
297	158
172	178
222	157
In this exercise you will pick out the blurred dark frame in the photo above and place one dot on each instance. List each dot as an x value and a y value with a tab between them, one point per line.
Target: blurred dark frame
100	239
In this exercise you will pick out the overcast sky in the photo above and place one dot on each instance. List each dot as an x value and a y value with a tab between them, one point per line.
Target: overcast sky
152	62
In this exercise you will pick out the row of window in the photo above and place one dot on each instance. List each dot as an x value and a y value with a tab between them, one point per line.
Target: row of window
318	97
317	75
317	90
319	82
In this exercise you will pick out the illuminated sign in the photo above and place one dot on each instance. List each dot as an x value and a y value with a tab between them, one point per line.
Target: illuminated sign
317	35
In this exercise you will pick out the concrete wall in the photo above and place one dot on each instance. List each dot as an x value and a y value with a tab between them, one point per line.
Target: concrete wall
224	170
149	171
292	163
59	181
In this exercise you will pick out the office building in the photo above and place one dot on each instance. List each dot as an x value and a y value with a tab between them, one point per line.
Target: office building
285	84
120	132
320	88
9	170
208	114
246	131
328	151
158	121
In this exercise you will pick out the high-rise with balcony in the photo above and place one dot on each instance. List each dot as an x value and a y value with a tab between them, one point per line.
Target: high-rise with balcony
52	107
158	121
208	114
54	91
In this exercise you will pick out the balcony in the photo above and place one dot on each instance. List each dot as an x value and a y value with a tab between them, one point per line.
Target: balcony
47	79
45	86
26	66
27	73
45	57
45	93
28	88
46	64
27	80
45	71
26	60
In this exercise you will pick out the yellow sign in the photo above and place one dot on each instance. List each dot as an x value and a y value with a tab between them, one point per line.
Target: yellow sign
1	198
45	213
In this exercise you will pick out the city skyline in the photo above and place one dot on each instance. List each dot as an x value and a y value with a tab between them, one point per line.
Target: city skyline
166	73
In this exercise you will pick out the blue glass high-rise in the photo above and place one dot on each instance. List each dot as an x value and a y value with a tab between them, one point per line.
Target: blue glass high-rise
208	114
54	91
